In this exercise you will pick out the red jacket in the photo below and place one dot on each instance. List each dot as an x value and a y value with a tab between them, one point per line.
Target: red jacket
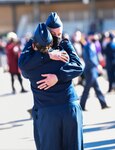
12	52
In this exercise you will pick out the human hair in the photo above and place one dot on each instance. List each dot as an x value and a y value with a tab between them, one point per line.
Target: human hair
43	49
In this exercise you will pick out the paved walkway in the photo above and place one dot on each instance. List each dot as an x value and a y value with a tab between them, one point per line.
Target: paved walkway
16	132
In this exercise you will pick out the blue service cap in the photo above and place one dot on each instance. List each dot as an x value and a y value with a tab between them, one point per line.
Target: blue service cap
54	21
42	35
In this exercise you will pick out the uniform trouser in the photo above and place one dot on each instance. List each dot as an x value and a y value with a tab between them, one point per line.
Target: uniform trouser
58	127
92	83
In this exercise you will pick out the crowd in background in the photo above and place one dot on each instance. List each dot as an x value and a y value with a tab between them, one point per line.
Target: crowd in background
105	50
11	46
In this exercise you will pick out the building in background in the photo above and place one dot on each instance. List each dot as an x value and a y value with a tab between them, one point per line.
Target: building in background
22	16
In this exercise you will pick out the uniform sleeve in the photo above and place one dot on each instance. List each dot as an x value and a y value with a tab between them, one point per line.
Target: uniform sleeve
30	59
74	67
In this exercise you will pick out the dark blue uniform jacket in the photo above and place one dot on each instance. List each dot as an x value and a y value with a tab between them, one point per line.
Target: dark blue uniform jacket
110	54
91	60
33	64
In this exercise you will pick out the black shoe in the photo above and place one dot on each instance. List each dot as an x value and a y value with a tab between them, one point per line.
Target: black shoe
13	92
30	112
105	107
83	109
23	91
110	91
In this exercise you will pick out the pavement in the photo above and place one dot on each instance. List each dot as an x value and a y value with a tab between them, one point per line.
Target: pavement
16	126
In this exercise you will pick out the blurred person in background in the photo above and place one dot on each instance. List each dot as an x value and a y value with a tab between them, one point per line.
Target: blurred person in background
98	45
91	72
109	53
79	41
55	106
12	50
65	35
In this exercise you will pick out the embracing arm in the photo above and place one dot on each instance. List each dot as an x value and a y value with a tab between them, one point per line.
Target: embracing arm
30	58
67	72
74	67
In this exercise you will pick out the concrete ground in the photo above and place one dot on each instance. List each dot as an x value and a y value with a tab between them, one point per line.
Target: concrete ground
16	129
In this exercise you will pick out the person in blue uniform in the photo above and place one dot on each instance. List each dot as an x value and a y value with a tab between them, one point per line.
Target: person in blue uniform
109	52
56	113
55	27
91	72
